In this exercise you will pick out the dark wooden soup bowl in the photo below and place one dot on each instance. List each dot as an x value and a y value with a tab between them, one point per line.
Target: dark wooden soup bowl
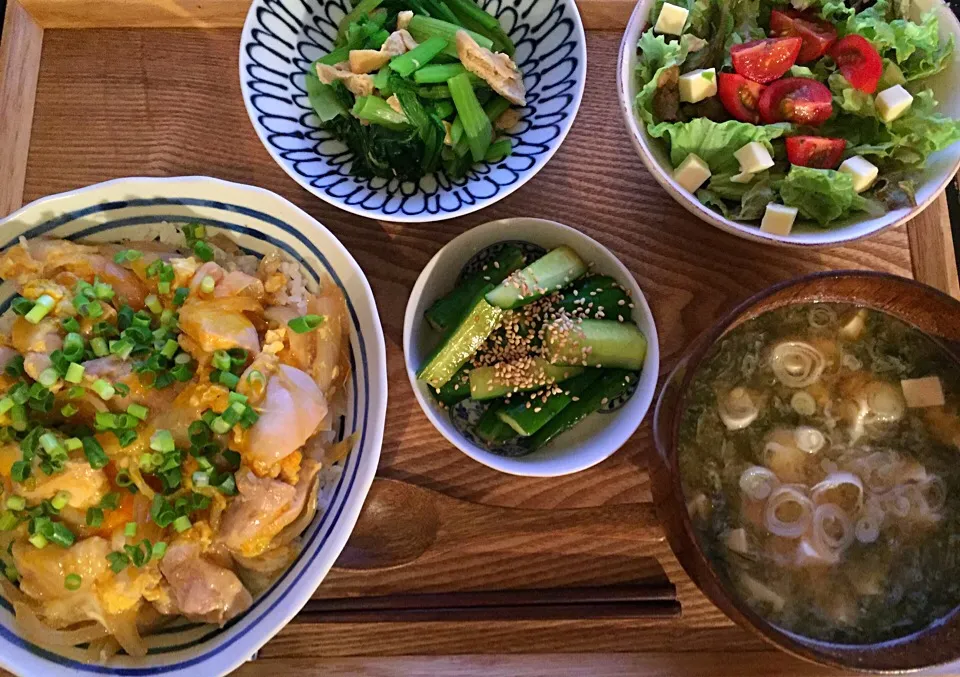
936	314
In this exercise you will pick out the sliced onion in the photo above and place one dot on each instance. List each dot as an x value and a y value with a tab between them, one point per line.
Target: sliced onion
827	518
797	364
737	409
851	362
895	503
821	317
758	482
885	401
934	492
786	495
40	633
834	481
809	439
867	528
803	403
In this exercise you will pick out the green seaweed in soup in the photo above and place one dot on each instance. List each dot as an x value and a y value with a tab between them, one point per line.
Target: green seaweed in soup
819	456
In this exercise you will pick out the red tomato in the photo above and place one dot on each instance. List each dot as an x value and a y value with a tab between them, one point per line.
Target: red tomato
740	96
803	101
817	34
859	62
765	60
819	152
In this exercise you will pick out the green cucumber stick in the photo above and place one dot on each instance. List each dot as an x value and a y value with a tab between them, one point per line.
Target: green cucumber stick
476	124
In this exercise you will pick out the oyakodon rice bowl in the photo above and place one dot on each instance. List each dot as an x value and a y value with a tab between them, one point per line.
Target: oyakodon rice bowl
176	420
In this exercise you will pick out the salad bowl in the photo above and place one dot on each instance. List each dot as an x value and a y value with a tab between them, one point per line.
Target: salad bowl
929	181
587	443
282	38
259	222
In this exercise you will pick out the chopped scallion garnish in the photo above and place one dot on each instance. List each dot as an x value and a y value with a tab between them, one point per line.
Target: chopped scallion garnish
72	582
74	373
40	309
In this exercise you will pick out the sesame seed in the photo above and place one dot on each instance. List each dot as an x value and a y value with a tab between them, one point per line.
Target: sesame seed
575	398
604	400
621	302
537	410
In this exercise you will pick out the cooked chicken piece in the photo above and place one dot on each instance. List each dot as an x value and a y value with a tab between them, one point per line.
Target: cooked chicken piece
359	85
508	119
110	368
233	283
292	409
498	70
6	354
85	485
403	18
399	42
35	363
220	324
43	337
394	103
264	507
201	590
46	258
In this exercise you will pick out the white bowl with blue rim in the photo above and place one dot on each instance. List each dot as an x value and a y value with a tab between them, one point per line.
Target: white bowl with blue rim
259	221
599	435
281	38
939	169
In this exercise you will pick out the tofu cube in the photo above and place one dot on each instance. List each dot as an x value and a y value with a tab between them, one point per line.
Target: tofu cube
672	19
893	102
923	392
698	85
862	171
778	219
742	177
692	173
753	158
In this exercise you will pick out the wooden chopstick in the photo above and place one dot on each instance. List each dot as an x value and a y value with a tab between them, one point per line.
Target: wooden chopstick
615	601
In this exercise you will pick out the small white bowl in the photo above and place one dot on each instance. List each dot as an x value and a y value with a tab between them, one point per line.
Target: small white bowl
599	435
940	168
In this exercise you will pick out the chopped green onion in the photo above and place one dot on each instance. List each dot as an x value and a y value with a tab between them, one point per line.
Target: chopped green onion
153	303
182	373
162	440
61	535
305	323
6	404
183	358
74	373
237	397
203	251
39	541
21	306
180	295
159	549
249	418
228	379
94	517
103	389
70	324
73	347
200	479
257	378
118	561
73	444
126	255
60	500
169	348
16	503
48	377
40	309
99	346
94	453
93	310
105	420
76	392
207	284
125	437
130	530
72	582
20	471
49	442
182	523
221	360
123	479
138	410
220	426
14	366
102	290
122	389
8	521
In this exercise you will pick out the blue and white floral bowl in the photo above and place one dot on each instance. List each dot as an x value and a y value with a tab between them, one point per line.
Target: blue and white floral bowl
281	38
259	221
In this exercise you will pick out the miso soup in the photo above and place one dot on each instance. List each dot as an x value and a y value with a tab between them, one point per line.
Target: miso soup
820	458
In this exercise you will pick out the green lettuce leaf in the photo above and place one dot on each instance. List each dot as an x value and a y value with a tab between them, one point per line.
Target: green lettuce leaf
657	57
832	10
821	195
753	197
714	142
912	137
915	47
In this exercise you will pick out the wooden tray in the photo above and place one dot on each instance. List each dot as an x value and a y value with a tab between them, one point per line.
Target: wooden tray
150	87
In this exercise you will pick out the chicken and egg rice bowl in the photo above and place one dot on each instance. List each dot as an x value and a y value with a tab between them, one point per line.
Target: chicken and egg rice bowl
167	419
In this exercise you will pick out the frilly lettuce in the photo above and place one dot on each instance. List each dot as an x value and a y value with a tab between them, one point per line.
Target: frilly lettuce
822	195
714	142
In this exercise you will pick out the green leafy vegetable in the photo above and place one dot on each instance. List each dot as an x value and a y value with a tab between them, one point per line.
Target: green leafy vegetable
822	195
714	142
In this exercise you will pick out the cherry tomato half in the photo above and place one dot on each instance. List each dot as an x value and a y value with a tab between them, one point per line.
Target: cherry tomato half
765	60
817	34
819	152
740	96
803	101
858	61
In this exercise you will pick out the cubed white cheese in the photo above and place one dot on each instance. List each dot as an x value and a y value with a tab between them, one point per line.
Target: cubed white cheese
893	102
753	158
863	173
742	177
691	173
698	85
778	219
672	19
923	392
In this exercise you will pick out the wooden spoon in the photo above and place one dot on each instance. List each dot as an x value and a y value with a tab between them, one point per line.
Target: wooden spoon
402	521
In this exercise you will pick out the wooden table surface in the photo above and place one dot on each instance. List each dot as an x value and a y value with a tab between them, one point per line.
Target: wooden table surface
166	101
